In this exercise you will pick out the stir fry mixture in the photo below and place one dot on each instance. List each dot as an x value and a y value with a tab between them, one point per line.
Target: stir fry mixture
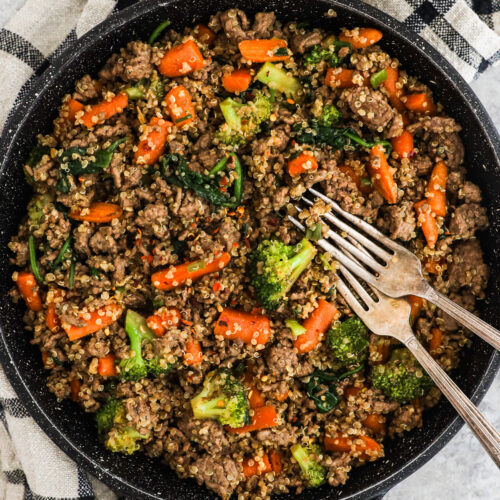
168	292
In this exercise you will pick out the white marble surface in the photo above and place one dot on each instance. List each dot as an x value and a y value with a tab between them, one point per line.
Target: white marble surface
462	470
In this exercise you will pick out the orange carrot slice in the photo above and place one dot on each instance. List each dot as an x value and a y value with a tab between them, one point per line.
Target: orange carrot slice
263	418
29	290
252	467
362	446
74	107
303	163
261	50
436	340
94	321
344	78
194	354
75	385
381	174
436	189
180	106
275	459
402	145
375	423
106	366
174	276
97	212
181	60
237	81
360	38
252	329
392	90
316	325
99	113
420	103
204	34
427	221
153	141
416	304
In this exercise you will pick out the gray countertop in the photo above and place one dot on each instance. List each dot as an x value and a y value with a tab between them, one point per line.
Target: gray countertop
462	469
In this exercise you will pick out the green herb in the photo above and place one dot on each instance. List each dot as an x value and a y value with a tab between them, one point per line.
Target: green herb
62	252
272	95
205	186
377	78
244	229
63	185
95	273
37	154
134	93
331	290
76	161
33	262
326	263
158	31
314	233
71	279
322	388
329	53
295	327
282	51
183	118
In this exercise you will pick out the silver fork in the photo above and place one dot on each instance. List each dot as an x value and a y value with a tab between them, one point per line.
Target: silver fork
389	317
395	271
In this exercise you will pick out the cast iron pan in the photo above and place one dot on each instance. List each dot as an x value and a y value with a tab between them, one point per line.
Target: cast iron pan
71	429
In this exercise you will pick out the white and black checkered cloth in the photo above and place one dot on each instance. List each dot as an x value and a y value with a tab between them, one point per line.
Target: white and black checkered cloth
467	33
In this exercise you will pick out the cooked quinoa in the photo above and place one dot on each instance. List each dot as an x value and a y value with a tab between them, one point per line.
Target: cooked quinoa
95	265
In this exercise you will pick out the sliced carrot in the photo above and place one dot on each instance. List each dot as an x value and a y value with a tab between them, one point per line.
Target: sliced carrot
263	418
252	329
155	325
381	349
255	398
283	396
381	174
434	266
275	459
194	354
97	212
75	385
152	141
180	106
252	467
416	304
393	91
99	113
74	107
375	423
420	103
29	290
436	189
45	358
204	34
403	145
436	340
106	366
174	276
261	50
51	319
360	38
94	321
237	81
303	163
162	320
362	446
427	221
356	178
351	391
344	78
316	325
181	60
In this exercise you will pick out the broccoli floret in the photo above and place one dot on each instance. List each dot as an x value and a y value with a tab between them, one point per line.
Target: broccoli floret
222	398
329	116
115	430
312	471
401	378
319	53
278	79
274	268
242	121
349	341
36	208
136	366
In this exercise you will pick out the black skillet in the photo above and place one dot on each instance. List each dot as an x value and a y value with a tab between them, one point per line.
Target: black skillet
71	429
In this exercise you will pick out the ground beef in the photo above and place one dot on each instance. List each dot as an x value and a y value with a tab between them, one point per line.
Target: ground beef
369	106
208	434
405	418
234	22
447	147
103	242
468	268
435	124
471	193
282	360
467	219
301	42
86	89
283	436
263	24
399	221
133	63
220	474
422	164
337	469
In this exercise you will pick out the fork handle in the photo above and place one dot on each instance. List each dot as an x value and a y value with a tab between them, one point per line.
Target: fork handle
467	319
484	431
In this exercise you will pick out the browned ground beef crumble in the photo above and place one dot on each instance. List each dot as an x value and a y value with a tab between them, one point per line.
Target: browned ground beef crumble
116	260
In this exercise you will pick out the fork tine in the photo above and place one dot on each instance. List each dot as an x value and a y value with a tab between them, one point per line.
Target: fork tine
357	286
340	256
383	254
350	298
357	221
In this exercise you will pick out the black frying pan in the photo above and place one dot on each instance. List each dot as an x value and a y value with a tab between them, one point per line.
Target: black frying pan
69	427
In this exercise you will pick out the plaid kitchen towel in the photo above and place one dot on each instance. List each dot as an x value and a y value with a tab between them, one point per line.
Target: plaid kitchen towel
31	466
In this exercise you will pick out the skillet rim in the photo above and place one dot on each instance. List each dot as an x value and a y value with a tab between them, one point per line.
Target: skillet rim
17	121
